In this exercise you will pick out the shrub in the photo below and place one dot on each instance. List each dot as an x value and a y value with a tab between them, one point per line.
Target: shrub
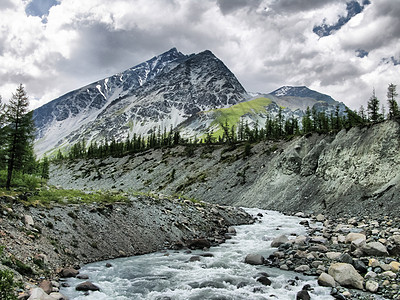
7	285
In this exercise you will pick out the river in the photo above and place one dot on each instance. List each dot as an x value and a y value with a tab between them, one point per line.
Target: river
170	275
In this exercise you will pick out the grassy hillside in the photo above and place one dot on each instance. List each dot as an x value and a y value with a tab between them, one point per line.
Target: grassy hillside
232	115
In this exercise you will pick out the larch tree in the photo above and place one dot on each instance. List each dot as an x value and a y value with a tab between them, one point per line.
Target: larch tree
392	104
19	133
373	108
2	135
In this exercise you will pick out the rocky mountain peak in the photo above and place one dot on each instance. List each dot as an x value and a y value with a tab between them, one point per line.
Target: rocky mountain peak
302	92
161	92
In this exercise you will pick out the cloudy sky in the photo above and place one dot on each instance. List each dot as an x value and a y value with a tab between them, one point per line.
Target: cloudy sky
342	48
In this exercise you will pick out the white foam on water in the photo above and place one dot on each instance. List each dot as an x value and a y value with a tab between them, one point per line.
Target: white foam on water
170	275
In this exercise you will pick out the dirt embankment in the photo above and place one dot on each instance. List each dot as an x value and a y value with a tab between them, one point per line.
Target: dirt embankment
354	172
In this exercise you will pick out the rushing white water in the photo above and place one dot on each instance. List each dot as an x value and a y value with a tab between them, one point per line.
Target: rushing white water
170	275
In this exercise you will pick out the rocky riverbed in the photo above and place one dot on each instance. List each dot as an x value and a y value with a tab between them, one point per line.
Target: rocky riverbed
358	257
41	243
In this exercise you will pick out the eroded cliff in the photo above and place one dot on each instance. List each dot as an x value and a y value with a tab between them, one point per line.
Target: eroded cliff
354	172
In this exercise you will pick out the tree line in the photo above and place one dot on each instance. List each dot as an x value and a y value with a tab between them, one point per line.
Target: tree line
17	134
275	128
17	157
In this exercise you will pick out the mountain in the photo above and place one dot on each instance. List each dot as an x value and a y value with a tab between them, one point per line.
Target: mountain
291	101
193	93
162	91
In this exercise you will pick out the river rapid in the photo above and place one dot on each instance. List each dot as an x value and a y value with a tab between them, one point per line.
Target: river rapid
221	274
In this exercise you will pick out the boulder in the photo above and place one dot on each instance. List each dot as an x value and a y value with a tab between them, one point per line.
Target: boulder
199	244
46	286
353	236
280	240
320	218
375	249
300	240
87	286
231	230
318	248
254	259
39	294
346	275
389	275
303	294
345	258
58	296
264	280
333	255
371	286
302	268
28	220
394	266
373	263
326	280
68	272
370	274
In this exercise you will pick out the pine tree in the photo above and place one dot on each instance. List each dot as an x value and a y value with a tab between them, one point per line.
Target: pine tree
306	121
373	108
2	135
19	133
393	106
44	168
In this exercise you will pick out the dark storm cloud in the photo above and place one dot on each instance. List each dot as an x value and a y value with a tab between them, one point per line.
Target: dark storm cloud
265	43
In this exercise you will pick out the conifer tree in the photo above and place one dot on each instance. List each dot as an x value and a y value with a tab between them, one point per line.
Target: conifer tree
19	133
44	168
373	108
306	121
392	104
2	134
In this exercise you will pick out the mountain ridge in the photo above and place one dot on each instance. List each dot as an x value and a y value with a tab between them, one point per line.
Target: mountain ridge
165	92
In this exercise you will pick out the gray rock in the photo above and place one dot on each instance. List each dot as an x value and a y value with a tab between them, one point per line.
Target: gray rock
371	286
264	280
333	255
353	236
68	272
28	220
345	258
199	244
58	296
46	286
39	294
254	259
280	240
375	249
370	274
87	286
325	279
346	275
302	268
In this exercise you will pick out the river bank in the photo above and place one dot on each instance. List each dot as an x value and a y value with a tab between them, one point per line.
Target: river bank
39	241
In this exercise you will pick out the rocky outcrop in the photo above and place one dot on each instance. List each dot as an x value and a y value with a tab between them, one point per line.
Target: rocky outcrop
356	172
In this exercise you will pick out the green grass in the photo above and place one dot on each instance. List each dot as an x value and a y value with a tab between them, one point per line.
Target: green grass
232	114
47	197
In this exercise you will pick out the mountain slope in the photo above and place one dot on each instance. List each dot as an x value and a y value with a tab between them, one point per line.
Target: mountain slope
161	92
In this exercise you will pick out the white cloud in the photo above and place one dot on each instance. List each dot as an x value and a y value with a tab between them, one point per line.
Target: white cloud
266	43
